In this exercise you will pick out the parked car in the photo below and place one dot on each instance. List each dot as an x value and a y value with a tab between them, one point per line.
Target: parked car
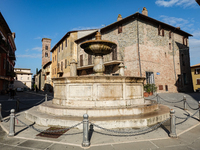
20	89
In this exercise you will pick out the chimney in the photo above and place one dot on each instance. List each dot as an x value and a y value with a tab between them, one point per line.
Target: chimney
178	28
13	35
144	11
119	17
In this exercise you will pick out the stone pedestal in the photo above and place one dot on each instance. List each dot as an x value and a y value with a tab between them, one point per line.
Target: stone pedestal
121	69
73	68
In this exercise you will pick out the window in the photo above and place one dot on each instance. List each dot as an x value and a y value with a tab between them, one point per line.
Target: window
198	81
59	49
170	34
182	59
62	46
160	87
150	77
197	71
185	41
21	78
46	54
120	29
58	66
65	63
89	59
170	46
55	57
66	43
185	78
166	87
46	47
161	31
27	78
4	63
61	66
114	54
81	60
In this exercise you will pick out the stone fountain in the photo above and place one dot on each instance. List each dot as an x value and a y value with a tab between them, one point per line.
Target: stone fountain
110	101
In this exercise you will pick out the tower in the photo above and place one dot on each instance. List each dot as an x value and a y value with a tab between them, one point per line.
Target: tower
46	47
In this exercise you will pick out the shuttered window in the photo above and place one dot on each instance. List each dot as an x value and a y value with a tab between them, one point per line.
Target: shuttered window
170	34
114	54
81	60
120	29
65	63
61	66
159	29
198	81
66	43
163	32
89	59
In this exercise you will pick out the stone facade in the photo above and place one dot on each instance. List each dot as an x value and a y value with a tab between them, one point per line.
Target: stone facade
145	46
195	71
23	78
64	52
46	47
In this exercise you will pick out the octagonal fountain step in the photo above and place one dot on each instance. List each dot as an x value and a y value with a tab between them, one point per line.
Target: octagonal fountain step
147	107
110	122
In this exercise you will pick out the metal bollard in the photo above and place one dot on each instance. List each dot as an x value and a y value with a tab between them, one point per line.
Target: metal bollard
45	97
0	114
199	110
172	124
184	102
157	98
12	123
17	105
86	142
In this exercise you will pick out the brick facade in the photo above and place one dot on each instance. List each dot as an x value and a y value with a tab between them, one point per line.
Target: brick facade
145	46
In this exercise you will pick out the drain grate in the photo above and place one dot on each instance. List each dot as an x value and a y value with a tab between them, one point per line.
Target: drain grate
52	134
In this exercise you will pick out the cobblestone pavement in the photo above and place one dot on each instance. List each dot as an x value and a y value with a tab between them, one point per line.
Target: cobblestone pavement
188	131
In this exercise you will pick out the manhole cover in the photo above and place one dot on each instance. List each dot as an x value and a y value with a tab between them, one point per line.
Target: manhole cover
52	134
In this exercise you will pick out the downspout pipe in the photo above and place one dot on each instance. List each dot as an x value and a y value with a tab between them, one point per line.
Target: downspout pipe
138	45
173	56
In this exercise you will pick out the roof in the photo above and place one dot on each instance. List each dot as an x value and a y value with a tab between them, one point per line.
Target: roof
132	17
197	65
198	1
4	23
21	72
65	36
47	64
23	68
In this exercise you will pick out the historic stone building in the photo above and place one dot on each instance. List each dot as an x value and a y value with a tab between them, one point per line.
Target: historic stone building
7	55
23	78
64	52
195	71
148	48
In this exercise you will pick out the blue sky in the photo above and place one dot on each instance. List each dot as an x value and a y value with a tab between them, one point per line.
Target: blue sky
33	20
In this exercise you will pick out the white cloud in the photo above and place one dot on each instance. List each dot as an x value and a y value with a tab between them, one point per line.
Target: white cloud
170	3
38	38
178	22
29	56
37	48
86	28
196	34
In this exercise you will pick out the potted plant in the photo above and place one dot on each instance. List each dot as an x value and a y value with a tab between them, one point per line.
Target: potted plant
149	89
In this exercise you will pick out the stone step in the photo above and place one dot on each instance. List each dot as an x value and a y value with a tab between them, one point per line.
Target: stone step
49	108
110	122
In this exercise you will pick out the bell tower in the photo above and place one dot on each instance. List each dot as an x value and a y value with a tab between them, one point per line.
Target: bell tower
46	47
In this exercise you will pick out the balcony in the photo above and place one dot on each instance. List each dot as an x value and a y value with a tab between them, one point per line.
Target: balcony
47	71
10	73
12	56
59	71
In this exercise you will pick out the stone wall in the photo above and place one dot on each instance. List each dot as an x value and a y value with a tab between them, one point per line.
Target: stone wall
158	54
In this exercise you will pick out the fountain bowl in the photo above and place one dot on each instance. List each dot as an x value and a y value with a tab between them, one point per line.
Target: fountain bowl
95	47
